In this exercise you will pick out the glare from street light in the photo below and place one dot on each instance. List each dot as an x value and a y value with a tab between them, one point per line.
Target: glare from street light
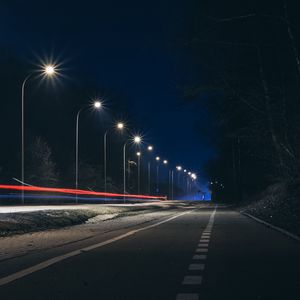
138	153
165	161
120	125
150	148
157	158
49	70
97	104
179	168
137	139
184	170
189	173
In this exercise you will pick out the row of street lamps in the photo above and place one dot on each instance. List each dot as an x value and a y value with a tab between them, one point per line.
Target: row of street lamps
50	71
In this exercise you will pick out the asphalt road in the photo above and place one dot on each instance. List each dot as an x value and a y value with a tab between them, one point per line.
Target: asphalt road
182	253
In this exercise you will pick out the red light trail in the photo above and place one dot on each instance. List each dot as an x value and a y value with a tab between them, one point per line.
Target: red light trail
74	192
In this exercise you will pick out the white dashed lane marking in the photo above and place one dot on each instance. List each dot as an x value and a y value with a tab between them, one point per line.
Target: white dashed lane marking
192	280
195	267
203	245
202	250
201	256
198	267
187	297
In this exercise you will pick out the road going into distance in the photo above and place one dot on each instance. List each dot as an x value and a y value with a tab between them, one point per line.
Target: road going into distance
189	251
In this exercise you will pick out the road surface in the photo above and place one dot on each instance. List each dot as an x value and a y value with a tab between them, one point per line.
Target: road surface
190	252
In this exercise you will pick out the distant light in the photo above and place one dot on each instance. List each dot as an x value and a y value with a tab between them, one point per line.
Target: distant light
138	153
150	148
165	161
194	176
49	70
184	170
120	125
137	139
179	168
157	158
189	173
97	104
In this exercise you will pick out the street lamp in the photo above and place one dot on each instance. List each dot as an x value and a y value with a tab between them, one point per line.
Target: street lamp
178	168
136	140
139	170
120	126
157	158
48	70
150	149
97	105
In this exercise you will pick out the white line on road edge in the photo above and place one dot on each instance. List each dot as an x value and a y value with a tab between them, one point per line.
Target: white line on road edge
54	260
291	235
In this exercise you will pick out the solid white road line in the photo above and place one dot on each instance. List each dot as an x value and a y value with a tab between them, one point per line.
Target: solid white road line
187	297
192	280
54	260
196	267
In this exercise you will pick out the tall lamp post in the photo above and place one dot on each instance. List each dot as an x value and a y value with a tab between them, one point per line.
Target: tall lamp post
48	71
97	105
165	162
157	158
137	140
139	171
119	126
150	148
178	168
172	184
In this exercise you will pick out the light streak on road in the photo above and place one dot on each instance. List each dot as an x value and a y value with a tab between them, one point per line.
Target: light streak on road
75	192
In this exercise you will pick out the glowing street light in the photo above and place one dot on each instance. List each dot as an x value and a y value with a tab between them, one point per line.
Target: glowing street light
120	126
194	176
178	168
137	139
48	70
157	158
165	162
150	148
96	105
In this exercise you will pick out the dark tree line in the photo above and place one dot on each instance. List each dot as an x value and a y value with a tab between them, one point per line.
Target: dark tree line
252	67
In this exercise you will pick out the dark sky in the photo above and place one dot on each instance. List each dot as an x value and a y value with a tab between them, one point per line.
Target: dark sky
132	48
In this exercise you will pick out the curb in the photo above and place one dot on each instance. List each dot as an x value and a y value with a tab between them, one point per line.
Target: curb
291	235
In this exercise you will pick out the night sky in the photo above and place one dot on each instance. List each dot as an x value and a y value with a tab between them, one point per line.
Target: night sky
132	48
